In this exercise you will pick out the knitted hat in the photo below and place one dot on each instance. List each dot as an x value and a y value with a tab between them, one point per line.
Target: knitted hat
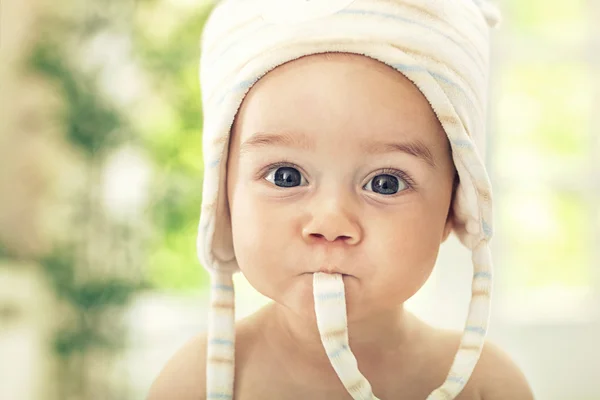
442	46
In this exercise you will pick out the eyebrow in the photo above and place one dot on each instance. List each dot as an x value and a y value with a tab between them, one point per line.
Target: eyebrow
302	142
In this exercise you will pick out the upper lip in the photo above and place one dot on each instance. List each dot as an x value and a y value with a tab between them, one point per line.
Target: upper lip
331	270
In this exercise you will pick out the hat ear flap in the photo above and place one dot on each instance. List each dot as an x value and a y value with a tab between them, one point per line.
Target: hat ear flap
490	12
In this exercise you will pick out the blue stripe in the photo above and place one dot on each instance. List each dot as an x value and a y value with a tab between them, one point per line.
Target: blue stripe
243	85
482	275
462	143
330	296
223	287
219	396
456	379
222	341
337	352
409	21
486	229
446	81
214	163
476	329
414	68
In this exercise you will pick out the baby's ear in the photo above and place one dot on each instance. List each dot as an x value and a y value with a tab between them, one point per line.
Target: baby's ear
450	218
449	225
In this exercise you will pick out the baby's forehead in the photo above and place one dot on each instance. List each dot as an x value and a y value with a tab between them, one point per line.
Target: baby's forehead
314	97
350	87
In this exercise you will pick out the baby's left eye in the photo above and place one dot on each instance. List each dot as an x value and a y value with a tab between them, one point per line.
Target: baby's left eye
387	184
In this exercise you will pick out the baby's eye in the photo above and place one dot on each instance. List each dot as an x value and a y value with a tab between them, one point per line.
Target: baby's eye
387	184
285	177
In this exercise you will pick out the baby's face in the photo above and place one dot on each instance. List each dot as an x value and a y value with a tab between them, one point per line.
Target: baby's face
338	164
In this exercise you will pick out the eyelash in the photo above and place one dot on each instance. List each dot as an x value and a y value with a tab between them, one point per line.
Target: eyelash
398	174
383	171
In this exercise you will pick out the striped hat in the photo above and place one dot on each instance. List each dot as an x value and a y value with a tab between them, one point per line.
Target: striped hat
442	46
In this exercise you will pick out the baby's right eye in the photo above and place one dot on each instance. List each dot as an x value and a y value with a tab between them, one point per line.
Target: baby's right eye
285	176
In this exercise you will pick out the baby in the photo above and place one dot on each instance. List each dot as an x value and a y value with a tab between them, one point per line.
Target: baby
340	153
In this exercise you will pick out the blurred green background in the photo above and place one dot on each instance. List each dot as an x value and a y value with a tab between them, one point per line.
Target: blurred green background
101	183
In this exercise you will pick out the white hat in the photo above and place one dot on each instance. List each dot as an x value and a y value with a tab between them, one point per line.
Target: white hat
442	46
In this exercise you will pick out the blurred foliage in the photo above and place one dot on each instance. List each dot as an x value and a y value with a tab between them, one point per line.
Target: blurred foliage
560	23
3	251
93	127
86	296
543	147
172	136
547	248
163	120
88	300
555	125
90	122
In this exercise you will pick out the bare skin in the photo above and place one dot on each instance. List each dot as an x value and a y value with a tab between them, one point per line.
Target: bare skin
377	216
269	368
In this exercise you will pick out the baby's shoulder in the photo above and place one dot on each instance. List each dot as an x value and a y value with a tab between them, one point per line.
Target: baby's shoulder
184	375
498	377
495	376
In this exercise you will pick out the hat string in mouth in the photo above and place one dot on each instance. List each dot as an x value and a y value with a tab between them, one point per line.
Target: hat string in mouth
330	310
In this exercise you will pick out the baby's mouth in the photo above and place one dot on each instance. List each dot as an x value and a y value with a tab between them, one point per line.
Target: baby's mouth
331	270
343	275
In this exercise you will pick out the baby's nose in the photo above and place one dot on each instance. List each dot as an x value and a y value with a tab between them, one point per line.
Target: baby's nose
330	228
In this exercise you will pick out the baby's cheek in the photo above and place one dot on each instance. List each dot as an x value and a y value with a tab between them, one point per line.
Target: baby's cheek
257	238
406	252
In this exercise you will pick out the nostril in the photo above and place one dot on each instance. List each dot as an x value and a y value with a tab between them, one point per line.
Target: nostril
342	238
